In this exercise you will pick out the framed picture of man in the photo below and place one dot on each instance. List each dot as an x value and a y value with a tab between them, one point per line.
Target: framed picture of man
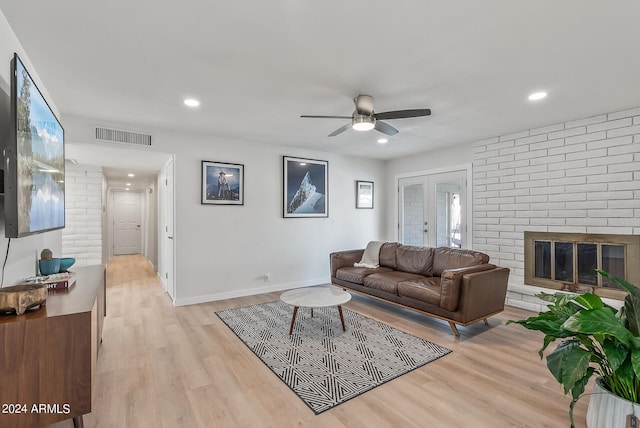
222	183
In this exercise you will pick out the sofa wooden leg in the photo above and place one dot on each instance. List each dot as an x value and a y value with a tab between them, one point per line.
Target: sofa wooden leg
486	321
454	328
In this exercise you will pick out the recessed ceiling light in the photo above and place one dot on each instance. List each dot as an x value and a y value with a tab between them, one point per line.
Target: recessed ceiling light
537	96
191	102
131	175
128	184
383	140
127	189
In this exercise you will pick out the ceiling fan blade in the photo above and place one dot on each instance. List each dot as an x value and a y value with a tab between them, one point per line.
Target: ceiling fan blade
341	130
385	128
402	114
325	117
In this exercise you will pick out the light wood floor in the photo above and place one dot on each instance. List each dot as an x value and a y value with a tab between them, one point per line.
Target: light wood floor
161	366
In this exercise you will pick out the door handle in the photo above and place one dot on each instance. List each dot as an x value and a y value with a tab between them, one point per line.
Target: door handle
170	237
426	230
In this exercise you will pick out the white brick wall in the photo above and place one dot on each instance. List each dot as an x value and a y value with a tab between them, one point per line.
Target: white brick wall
82	236
579	176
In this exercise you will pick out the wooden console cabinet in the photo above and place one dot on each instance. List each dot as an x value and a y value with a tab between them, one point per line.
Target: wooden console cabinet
48	356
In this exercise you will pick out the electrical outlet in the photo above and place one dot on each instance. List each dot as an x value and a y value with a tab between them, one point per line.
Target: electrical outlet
267	277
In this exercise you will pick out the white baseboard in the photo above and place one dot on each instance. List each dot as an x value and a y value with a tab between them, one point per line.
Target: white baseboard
162	280
248	292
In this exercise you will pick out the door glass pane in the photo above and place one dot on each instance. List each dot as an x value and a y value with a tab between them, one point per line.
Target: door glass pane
448	215
613	262
564	261
543	259
413	214
587	264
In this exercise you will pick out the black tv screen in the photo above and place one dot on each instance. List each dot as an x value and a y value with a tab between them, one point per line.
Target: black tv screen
34	169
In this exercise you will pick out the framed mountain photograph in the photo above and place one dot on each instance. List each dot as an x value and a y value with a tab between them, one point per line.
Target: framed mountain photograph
305	187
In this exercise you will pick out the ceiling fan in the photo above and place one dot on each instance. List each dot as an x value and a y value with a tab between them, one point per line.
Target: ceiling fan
365	119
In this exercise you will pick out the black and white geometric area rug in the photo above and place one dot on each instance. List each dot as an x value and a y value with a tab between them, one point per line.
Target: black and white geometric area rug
322	364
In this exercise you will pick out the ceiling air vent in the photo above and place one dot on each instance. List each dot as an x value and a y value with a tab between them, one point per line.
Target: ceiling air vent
120	136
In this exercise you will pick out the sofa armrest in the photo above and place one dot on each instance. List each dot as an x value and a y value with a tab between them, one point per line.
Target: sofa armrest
483	293
344	258
451	283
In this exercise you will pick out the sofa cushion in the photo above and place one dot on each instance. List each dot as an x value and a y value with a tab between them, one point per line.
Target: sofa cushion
427	290
388	281
357	275
388	255
415	260
452	258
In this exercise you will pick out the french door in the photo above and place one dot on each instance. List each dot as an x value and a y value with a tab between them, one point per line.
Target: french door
433	210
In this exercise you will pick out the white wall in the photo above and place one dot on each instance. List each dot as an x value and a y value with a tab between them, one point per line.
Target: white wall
82	236
24	251
224	251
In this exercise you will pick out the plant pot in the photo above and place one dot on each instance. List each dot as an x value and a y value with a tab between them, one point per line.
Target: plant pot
607	410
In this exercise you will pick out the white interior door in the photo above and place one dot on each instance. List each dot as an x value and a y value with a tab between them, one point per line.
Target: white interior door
127	223
433	210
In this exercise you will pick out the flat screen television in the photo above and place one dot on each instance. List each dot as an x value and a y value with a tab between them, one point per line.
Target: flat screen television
34	160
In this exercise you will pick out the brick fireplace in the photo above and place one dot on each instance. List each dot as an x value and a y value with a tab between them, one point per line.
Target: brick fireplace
576	177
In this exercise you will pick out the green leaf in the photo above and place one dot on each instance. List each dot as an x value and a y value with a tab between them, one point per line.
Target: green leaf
568	363
631	314
589	301
581	384
616	353
546	342
621	282
623	382
599	321
635	361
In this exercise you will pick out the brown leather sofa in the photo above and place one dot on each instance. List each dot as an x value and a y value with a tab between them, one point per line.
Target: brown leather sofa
459	286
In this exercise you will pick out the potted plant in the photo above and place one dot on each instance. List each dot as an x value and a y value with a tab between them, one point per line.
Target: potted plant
595	340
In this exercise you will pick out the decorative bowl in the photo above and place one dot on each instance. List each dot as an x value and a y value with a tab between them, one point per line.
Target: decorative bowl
49	266
66	263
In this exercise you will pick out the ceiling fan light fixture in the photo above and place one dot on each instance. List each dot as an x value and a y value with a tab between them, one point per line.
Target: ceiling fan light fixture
363	123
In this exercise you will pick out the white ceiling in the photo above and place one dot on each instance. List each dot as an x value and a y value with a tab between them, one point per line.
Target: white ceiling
256	65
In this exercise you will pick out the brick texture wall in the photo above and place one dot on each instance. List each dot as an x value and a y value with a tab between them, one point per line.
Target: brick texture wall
82	236
579	176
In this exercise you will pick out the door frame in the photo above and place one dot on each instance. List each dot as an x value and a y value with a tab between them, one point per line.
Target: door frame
467	167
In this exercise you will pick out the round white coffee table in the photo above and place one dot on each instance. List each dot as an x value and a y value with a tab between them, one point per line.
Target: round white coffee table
315	297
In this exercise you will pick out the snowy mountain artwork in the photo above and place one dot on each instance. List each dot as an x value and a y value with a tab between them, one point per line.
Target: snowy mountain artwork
305	187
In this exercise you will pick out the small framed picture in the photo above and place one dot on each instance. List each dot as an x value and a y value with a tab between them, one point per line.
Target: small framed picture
364	194
305	187
222	183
